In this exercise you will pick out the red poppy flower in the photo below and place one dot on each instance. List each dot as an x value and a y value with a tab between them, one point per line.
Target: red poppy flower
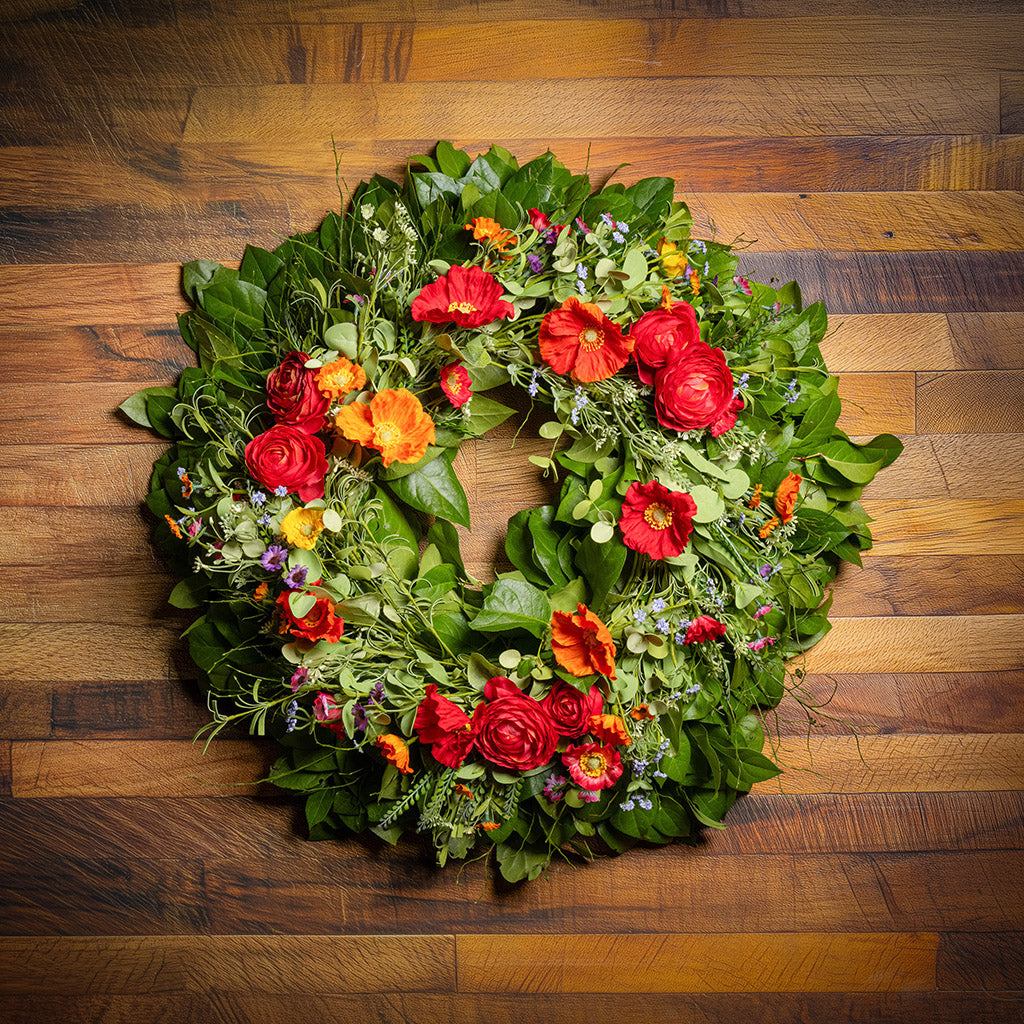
582	643
661	335
695	390
578	338
467	296
455	383
443	724
655	520
593	766
704	627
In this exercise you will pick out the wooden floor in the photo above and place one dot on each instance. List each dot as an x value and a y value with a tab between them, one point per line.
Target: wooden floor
879	160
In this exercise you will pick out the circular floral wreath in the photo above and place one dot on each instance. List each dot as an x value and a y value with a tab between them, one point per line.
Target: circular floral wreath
613	686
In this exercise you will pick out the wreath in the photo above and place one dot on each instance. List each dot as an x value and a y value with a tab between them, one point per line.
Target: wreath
613	686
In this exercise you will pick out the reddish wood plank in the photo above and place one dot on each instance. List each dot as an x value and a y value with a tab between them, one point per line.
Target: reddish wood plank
137	768
981	962
233	963
979	401
905	282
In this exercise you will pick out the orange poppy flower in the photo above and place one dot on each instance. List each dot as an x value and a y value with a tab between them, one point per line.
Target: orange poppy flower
260	592
641	713
768	527
393	423
337	379
486	229
173	527
395	751
581	643
786	495
464	791
755	498
610	730
578	338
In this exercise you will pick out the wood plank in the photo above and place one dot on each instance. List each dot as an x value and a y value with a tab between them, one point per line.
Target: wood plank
107	352
885	764
862	221
115	475
754	106
443	51
988	963
815	764
979	401
102	829
884	342
149	964
511	1008
909	702
398	1008
905	282
877	403
696	963
941	585
949	465
38	296
945	643
1011	102
160	177
981	526
137	768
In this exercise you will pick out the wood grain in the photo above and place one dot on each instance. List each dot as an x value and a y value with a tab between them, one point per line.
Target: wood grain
232	963
755	106
876	154
691	963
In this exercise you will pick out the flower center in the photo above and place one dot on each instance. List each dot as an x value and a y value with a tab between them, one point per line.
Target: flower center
453	383
593	764
386	434
462	307
591	339
658	516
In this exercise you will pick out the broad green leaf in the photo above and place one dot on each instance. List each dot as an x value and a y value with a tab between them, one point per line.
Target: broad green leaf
514	604
434	489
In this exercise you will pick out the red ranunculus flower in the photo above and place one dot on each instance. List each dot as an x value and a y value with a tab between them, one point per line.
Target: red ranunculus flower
319	623
593	766
294	398
704	627
696	391
467	296
578	338
285	456
660	336
445	726
655	520
571	709
512	730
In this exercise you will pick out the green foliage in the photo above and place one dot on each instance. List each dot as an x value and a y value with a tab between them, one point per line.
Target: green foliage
382	547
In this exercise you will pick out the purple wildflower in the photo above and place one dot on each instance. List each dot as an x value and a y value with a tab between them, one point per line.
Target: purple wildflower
536	264
295	578
274	558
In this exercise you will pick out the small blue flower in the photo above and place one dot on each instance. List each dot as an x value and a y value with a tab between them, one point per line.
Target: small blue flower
658	605
281	490
607	218
627	805
581	271
181	472
639	615
581	288
662	626
618	237
692	689
534	384
622	226
644	803
259	498
263	520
